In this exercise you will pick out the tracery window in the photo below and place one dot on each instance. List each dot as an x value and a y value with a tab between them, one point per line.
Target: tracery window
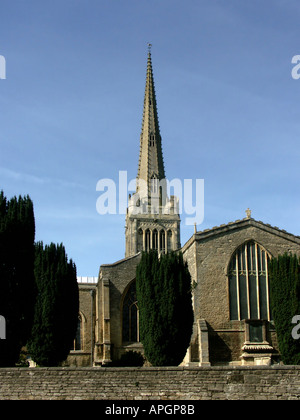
130	330
249	283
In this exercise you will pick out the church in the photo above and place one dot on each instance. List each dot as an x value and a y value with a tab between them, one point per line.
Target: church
228	265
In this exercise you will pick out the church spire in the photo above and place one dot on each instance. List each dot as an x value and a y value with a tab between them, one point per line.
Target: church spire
151	165
152	218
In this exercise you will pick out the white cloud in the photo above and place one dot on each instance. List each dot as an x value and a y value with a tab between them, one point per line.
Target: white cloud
37	180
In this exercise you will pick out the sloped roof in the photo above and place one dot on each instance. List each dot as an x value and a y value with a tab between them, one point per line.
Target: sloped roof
123	260
240	224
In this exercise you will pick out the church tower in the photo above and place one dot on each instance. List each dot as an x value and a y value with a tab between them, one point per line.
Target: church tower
152	220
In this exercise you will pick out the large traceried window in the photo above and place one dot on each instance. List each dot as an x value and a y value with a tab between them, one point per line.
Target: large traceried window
130	324
248	283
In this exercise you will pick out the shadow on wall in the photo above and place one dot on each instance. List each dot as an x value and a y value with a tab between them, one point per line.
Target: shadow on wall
218	349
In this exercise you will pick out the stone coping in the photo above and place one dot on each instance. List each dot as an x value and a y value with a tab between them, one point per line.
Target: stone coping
158	369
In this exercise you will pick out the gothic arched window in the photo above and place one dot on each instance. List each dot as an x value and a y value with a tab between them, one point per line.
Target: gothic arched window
162	241
147	240
130	324
169	240
154	184
248	283
79	334
155	239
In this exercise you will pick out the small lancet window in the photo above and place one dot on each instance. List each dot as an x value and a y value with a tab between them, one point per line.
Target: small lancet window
154	184
147	240
162	241
155	239
151	139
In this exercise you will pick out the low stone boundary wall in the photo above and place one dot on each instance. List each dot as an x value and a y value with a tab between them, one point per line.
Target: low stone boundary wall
149	383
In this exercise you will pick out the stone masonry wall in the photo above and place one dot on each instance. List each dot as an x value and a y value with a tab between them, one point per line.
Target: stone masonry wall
208	255
119	275
178	383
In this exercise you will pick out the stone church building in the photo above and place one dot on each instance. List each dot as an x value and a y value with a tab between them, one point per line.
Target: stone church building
228	265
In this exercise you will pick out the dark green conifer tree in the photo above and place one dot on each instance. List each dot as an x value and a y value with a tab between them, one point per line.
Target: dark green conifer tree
57	305
17	286
284	273
165	307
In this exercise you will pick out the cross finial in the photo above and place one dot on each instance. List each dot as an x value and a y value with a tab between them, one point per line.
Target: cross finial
248	213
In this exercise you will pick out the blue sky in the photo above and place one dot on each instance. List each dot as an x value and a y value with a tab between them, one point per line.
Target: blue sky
71	110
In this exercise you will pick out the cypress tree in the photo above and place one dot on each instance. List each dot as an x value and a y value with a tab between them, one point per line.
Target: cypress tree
56	309
165	307
17	286
285	303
